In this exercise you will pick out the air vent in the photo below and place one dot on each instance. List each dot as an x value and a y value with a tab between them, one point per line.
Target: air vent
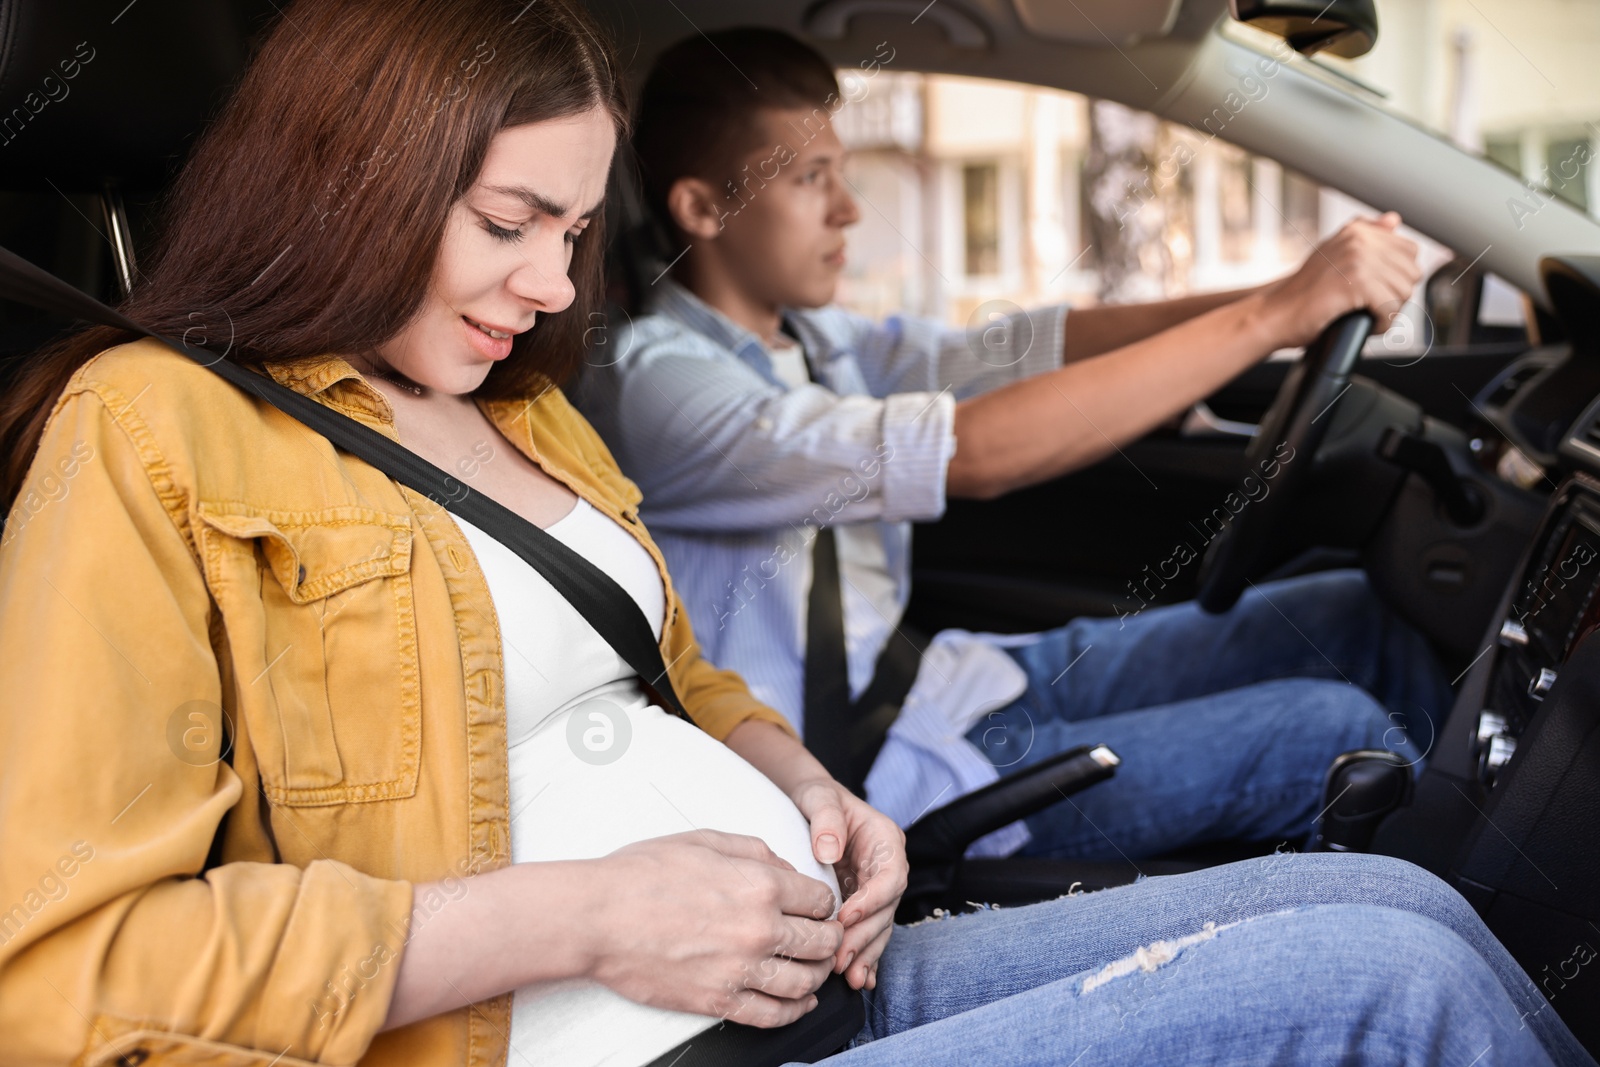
1514	382
1583	440
1590	434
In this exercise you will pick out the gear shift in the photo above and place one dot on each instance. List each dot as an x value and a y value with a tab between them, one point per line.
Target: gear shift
1362	788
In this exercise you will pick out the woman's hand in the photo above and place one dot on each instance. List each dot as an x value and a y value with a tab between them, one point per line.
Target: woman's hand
1365	265
866	848
868	852
711	923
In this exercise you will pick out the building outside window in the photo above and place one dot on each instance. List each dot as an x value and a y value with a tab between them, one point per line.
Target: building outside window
974	190
980	217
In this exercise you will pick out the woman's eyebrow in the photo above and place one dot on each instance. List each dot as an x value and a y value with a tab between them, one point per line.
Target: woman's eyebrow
541	203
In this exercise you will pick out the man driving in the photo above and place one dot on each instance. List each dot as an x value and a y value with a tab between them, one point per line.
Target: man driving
784	446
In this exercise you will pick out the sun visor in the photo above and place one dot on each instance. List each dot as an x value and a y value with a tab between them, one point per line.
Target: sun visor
1098	22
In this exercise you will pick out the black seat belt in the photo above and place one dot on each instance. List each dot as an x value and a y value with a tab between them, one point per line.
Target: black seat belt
827	672
846	735
605	605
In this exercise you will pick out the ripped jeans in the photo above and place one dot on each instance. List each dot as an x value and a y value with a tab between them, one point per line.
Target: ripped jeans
1226	724
1322	958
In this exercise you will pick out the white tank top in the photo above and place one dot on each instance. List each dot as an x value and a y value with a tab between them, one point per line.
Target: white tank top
594	766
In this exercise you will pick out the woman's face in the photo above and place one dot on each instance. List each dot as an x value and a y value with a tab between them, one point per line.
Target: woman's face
507	245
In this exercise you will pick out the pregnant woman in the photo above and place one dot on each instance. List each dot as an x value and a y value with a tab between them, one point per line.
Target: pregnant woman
297	767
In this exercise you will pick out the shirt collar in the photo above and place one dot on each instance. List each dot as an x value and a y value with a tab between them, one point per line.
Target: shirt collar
676	302
339	384
334	380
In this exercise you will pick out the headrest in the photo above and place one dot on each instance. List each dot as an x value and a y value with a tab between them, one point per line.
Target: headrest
96	89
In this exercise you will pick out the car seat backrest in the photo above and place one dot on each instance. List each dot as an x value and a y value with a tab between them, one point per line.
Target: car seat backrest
96	89
99	102
638	252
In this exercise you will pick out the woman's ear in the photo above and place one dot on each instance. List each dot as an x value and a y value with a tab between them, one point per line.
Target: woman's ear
697	209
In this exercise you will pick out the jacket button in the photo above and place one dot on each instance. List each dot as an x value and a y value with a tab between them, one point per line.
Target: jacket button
133	1058
302	580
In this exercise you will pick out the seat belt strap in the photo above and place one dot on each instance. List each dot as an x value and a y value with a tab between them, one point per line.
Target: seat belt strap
829	713
846	735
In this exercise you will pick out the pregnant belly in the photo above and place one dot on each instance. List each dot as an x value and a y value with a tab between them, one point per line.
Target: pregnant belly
603	775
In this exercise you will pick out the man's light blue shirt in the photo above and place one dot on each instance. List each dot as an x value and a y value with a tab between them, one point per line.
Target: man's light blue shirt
738	467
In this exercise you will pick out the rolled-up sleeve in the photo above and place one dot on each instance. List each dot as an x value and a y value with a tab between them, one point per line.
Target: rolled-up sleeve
114	936
919	435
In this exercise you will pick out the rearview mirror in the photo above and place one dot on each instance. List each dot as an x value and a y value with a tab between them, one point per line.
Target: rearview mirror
1347	28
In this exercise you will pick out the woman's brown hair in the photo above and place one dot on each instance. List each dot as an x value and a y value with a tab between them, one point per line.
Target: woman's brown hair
308	217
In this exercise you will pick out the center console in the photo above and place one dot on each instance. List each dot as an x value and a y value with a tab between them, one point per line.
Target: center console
1553	609
1508	808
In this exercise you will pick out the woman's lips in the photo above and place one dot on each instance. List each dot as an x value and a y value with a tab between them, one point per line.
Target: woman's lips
495	348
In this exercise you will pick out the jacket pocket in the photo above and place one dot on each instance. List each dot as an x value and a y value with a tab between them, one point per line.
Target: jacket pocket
140	1046
321	629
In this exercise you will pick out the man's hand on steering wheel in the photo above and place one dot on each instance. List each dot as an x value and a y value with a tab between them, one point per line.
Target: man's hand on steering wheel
1354	283
1367	264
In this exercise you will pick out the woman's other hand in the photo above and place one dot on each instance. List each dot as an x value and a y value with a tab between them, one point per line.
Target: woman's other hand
711	923
868	852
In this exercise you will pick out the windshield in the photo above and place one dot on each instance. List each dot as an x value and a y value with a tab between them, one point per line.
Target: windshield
1516	81
979	196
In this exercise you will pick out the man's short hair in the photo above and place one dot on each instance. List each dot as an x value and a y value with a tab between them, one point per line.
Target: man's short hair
700	112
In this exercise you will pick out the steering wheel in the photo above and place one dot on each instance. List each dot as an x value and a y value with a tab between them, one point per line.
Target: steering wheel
1289	435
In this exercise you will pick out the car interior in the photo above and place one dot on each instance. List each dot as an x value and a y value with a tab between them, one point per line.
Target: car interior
1409	476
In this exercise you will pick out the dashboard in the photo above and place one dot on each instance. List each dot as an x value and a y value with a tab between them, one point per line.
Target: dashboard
1547	401
1505	808
1553	608
1547	404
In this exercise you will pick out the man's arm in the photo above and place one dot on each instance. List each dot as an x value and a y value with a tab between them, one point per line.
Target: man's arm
1042	427
1097	330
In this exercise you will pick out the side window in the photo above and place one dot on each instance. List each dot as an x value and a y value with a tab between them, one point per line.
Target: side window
1036	196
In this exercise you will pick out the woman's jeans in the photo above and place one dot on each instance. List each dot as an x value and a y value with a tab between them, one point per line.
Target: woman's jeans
1226	724
1283	959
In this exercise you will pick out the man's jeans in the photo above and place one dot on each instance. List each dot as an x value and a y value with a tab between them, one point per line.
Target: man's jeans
1225	724
1282	959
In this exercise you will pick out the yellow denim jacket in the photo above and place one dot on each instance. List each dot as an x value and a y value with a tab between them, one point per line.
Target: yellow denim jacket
182	553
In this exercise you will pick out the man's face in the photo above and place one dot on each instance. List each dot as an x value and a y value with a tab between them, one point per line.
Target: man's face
783	235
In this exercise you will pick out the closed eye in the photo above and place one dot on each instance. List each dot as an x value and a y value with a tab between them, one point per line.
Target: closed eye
501	233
